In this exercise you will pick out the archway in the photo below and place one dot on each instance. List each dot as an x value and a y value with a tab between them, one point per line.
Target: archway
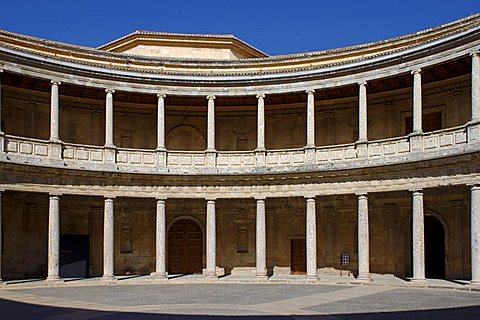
434	248
184	247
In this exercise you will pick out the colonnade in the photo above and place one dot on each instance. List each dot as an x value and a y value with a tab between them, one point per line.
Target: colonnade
310	108
418	236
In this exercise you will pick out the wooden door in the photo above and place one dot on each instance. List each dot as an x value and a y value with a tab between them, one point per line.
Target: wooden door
298	260
184	248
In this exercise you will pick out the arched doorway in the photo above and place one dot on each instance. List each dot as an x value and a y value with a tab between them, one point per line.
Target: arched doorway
434	248
184	247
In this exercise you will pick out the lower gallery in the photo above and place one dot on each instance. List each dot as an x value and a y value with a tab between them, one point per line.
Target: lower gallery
167	154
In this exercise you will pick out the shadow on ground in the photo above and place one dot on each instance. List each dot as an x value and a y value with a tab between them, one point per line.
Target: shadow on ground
12	310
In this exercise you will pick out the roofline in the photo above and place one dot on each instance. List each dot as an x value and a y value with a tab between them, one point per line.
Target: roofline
186	35
467	23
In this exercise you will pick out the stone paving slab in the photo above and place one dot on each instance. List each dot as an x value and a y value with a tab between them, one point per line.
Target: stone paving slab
253	299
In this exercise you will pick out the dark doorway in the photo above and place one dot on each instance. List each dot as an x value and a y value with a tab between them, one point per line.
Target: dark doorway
184	248
298	257
434	248
74	255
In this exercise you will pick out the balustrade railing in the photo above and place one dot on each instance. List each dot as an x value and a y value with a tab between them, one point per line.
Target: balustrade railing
23	149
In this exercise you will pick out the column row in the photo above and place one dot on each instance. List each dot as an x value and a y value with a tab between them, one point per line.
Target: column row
418	242
310	110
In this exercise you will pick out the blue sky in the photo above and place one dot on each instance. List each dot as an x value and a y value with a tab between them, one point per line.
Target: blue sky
276	27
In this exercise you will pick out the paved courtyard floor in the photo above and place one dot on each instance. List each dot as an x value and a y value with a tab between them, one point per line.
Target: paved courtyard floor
219	300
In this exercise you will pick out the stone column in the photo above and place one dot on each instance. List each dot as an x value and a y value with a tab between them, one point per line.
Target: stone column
310	118
362	112
260	122
311	233
108	240
211	271
161	122
418	242
109	118
54	112
417	101
211	123
160	269
363	239
1	128
54	238
261	240
475	87
475	234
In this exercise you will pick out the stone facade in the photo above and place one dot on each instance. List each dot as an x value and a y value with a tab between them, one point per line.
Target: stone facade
318	163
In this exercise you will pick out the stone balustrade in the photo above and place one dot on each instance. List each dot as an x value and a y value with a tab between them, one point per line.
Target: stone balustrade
430	145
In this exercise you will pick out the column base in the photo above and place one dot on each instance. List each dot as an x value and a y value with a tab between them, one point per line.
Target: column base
211	277
261	278
109	279
311	278
362	279
159	276
418	281
54	280
475	284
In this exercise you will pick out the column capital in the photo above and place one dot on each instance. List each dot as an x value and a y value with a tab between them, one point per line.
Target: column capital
361	195
1	70
161	199
110	90
109	198
475	53
260	96
310	198
161	95
362	83
260	199
211	97
55	82
54	194
310	91
416	191
417	71
210	200
475	187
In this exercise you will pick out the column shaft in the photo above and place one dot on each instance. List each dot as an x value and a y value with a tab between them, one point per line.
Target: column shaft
475	234
161	240
362	112
260	122
1	128
54	112
475	87
310	119
363	239
108	239
417	101
211	123
261	240
109	118
211	240
54	238
418	242
161	122
311	233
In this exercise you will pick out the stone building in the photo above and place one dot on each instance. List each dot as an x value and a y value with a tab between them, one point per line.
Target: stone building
163	153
